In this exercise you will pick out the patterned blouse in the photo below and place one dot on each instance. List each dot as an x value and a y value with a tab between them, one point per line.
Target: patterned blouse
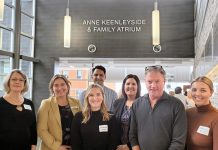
125	124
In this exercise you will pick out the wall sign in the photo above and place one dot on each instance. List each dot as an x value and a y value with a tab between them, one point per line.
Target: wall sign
113	25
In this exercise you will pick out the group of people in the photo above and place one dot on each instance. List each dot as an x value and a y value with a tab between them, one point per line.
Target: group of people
185	98
101	121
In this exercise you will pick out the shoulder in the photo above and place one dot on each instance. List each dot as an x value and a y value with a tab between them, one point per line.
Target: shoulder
190	112
47	102
139	101
111	116
28	101
119	101
172	100
107	89
215	114
1	99
78	116
75	104
73	100
215	120
83	93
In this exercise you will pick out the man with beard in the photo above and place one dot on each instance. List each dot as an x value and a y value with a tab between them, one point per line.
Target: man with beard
99	76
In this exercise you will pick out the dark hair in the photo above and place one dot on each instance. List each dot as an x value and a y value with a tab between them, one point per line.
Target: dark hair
186	93
99	67
178	90
205	80
138	85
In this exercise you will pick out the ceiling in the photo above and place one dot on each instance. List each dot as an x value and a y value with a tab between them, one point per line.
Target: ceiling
178	70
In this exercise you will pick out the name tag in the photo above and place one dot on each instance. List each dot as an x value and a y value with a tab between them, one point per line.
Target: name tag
203	130
103	128
28	107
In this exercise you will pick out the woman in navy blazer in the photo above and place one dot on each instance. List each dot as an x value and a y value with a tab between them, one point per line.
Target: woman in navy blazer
131	90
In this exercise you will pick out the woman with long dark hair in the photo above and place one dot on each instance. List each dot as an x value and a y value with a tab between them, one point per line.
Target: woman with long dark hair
131	90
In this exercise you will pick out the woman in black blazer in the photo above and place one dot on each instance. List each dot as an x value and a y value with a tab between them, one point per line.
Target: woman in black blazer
131	90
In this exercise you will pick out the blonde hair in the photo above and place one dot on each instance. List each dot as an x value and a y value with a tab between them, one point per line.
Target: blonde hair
205	80
6	81
55	77
87	108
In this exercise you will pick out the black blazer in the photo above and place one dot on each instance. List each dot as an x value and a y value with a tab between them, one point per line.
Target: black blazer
117	109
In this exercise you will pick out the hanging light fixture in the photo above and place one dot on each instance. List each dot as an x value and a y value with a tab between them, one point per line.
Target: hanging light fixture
155	25
2	4
67	27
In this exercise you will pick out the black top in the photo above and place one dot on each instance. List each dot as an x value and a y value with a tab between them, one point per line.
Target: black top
66	120
17	128
96	134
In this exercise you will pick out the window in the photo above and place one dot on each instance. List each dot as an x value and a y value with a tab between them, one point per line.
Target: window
79	74
5	67
26	47
8	47
5	40
26	67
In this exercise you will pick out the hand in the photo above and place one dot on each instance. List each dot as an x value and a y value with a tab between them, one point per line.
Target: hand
33	147
122	147
136	147
64	147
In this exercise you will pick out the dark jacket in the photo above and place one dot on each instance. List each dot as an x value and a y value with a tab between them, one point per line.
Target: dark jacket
117	109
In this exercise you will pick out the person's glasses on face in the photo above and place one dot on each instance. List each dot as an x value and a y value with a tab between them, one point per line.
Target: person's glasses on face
156	67
16	79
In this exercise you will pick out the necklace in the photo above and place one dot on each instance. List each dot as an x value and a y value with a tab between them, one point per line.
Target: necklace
19	107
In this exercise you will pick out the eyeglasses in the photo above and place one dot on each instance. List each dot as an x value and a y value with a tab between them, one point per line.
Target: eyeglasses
15	80
156	67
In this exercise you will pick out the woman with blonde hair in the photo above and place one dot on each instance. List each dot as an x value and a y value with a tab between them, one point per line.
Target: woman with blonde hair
17	115
55	115
202	119
94	128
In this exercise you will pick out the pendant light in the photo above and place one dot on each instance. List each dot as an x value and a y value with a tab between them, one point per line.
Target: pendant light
67	28
156	25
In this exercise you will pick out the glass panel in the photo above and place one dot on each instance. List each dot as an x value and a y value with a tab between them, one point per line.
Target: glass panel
26	24
5	39
11	2
26	46
5	68
7	21
79	74
26	67
27	6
